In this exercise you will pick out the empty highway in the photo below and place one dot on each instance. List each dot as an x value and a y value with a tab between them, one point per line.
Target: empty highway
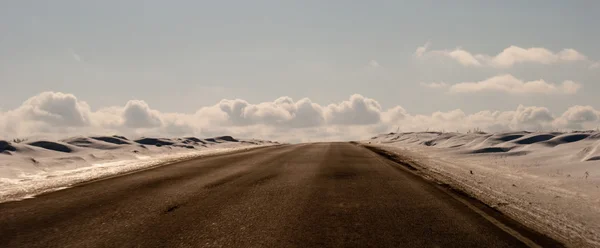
305	195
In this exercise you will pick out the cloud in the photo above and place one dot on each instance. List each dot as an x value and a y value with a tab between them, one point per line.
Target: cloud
516	55
283	112
55	108
509	57
578	117
357	111
463	57
511	85
421	50
110	117
284	119
435	85
306	114
177	124
137	114
75	55
395	114
374	64
531	118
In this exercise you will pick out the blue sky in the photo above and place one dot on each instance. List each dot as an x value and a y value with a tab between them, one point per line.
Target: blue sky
180	56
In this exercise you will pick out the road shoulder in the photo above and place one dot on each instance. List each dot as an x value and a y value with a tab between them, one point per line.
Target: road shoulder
526	234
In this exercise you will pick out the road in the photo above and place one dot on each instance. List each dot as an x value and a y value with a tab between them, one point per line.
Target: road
306	195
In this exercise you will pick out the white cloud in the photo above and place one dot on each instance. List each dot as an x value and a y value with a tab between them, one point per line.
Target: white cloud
531	118
359	117
523	118
137	114
420	52
509	57
463	57
307	114
579	117
55	108
395	114
509	84
282	112
374	64
75	55
435	85
178	124
516	55
357	111
110	117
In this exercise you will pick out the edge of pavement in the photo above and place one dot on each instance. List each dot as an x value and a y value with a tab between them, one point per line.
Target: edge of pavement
166	163
527	235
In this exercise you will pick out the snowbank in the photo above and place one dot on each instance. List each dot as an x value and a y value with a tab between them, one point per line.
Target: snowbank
549	181
29	168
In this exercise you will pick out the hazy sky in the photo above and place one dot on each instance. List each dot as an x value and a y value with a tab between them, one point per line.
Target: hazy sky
182	56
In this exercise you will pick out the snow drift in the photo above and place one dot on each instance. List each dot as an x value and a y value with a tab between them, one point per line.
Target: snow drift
28	168
548	180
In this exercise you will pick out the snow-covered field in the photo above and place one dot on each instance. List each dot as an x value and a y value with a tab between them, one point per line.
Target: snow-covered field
29	168
549	181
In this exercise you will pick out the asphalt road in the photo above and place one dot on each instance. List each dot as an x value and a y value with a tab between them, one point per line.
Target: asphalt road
307	195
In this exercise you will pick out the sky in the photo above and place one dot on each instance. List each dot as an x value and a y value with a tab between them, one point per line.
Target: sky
296	70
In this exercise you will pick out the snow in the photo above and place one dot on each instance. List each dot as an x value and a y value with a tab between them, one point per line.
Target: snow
549	181
28	169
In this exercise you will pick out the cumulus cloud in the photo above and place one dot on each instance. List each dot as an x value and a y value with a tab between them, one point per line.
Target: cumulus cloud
531	118
283	112
578	117
509	57
517	55
108	117
137	114
283	119
306	114
178	124
54	108
463	57
421	50
394	115
357	111
509	84
523	118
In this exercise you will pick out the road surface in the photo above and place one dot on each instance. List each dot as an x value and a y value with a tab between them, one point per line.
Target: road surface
306	195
